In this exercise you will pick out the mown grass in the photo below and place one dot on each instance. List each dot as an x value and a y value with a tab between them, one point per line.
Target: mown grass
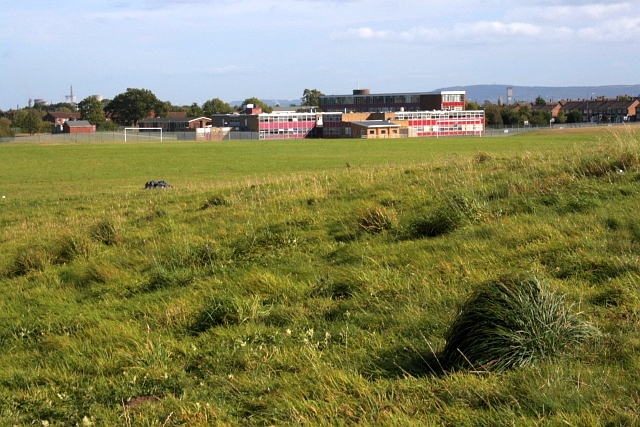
312	293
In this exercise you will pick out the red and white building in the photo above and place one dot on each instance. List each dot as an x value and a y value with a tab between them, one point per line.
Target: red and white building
443	123
289	125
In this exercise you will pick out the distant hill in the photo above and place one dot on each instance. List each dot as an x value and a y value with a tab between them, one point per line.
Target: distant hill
480	93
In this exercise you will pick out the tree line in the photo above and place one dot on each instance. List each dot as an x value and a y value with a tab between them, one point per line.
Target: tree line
126	109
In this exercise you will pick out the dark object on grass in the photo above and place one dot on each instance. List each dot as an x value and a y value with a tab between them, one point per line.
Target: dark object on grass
511	323
156	184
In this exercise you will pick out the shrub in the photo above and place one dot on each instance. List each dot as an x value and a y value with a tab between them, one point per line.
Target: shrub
507	324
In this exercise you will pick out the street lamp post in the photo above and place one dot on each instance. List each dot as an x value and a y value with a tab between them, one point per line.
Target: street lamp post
588	117
587	108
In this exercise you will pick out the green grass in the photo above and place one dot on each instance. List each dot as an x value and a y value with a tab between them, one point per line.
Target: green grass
274	286
112	167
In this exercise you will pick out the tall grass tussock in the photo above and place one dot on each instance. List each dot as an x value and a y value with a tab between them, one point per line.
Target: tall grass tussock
512	323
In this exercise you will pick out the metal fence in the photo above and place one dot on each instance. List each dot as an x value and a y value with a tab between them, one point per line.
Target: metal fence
508	130
118	136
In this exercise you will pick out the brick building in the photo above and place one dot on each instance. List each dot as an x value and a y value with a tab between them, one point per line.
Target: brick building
78	126
175	124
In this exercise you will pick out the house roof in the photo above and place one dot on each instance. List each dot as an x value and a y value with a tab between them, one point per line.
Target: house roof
599	104
550	106
77	123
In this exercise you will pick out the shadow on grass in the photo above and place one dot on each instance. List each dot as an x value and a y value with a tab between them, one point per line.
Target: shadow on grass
406	361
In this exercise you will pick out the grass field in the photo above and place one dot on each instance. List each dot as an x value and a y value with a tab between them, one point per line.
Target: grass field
117	167
274	285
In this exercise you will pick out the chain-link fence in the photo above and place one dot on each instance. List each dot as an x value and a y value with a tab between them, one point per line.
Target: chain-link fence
508	130
118	136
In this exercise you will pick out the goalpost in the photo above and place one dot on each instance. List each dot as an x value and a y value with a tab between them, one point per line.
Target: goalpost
139	129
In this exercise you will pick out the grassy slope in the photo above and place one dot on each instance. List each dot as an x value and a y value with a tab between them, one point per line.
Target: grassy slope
273	285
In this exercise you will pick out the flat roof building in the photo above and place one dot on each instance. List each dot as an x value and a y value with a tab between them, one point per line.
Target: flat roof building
362	100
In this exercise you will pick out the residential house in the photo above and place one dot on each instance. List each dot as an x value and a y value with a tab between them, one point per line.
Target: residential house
552	108
60	118
604	110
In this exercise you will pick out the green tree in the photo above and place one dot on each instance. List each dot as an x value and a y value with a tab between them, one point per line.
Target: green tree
311	97
195	110
91	110
509	115
524	115
471	106
562	117
540	118
162	109
61	107
133	105
28	120
492	113
216	106
5	128
624	98
574	116
540	101
255	101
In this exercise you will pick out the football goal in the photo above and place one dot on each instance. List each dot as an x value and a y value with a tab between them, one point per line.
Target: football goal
139	130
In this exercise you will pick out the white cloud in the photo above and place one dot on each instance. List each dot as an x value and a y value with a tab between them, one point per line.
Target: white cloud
621	30
470	33
495	28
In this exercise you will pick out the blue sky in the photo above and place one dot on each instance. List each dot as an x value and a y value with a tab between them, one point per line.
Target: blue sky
192	50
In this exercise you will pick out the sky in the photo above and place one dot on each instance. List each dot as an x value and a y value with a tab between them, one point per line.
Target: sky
188	51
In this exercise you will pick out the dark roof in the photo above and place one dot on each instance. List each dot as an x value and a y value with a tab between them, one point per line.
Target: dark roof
376	124
548	107
77	123
599	104
62	115
172	119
